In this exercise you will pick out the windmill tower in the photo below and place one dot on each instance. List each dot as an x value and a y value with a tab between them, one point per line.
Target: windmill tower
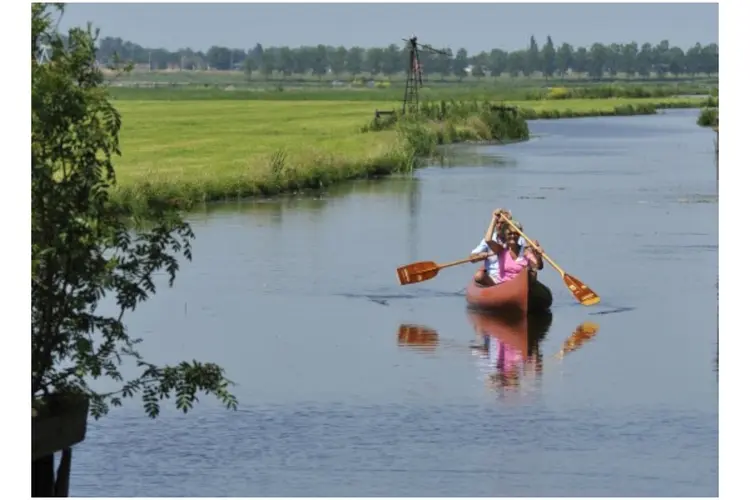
42	56
414	74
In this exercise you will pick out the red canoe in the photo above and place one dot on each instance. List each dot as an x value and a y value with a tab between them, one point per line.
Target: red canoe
521	295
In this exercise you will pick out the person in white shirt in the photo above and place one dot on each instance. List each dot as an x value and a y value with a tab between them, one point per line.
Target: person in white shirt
490	274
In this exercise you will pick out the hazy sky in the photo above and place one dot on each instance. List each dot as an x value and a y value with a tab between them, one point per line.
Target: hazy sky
475	27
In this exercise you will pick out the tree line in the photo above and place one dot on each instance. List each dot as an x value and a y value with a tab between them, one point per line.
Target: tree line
549	60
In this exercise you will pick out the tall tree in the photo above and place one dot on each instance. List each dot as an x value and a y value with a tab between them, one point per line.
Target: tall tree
629	59
532	58
548	58
598	60
83	249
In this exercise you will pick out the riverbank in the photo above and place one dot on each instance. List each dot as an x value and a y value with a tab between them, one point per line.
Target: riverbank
190	152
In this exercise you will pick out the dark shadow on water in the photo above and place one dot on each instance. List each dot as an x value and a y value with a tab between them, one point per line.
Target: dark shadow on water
613	311
418	293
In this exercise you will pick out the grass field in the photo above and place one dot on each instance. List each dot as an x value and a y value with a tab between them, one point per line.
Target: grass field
218	77
196	151
431	90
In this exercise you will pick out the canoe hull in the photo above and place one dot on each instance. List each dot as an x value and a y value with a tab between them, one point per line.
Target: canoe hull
521	295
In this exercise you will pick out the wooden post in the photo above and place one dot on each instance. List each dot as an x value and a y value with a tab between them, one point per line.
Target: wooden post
60	424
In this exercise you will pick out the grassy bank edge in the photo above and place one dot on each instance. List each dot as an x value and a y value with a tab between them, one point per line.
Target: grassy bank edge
283	178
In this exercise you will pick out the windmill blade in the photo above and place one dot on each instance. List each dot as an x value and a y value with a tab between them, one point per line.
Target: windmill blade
432	49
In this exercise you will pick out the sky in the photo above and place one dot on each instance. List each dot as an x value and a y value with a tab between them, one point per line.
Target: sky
475	27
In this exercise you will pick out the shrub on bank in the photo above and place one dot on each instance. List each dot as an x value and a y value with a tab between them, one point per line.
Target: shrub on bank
709	117
445	122
614	91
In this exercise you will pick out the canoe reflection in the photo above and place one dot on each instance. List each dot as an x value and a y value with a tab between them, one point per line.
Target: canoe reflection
509	346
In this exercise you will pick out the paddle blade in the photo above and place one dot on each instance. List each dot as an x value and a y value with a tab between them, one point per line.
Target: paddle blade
416	272
580	291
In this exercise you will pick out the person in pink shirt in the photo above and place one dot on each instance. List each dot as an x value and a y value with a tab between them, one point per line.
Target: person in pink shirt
512	257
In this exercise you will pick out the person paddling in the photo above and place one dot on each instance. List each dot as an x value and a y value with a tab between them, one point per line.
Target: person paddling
509	253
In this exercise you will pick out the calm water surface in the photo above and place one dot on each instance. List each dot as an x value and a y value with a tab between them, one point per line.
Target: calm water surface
351	385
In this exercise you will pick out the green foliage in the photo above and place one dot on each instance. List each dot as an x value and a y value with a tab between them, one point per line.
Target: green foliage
446	122
709	117
84	250
599	61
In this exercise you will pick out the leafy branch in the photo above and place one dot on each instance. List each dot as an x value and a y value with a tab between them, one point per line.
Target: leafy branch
84	249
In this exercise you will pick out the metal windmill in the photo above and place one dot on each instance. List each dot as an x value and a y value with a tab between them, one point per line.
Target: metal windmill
414	72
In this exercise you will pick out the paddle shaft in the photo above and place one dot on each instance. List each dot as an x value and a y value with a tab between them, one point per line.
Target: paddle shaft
475	258
528	240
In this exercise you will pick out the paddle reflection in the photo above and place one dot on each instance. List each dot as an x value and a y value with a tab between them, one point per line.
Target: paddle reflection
509	347
582	334
418	337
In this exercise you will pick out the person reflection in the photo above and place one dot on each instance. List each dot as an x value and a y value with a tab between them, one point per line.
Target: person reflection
509	348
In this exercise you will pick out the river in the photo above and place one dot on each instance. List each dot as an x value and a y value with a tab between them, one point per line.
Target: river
298	299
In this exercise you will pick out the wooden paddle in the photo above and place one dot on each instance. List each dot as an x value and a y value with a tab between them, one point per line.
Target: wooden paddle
426	270
578	288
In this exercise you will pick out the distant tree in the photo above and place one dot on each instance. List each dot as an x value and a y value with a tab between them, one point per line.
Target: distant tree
480	63
661	58
393	63
516	62
249	66
693	59
710	58
374	61
498	61
320	61
238	58
644	60
629	59
532	58
355	61
548	58
84	247
285	61
393	60
268	63
338	61
219	58
581	60
564	58
597	61
460	63
676	61
257	54
446	63
613	59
